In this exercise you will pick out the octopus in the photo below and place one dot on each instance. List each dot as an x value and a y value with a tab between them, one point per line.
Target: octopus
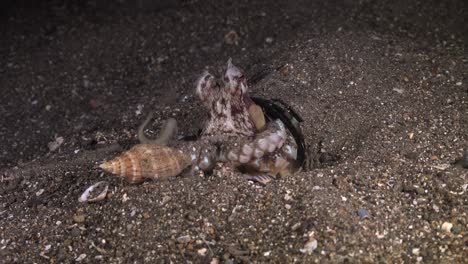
237	133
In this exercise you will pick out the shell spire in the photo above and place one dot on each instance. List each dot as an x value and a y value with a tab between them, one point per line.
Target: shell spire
147	161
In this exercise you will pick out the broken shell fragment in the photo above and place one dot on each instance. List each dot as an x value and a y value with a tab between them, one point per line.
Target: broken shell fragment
95	193
145	161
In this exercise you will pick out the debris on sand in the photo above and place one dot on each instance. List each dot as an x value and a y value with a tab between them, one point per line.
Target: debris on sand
54	145
231	38
311	245
95	193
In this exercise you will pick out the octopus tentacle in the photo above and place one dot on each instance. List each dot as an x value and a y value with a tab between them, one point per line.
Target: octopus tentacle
169	129
265	143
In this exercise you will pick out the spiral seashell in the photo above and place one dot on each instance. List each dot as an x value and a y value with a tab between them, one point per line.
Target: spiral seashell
145	161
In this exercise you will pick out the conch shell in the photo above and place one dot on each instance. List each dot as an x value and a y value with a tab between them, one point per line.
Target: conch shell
148	161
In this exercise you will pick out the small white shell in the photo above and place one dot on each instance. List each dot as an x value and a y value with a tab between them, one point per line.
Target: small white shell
90	197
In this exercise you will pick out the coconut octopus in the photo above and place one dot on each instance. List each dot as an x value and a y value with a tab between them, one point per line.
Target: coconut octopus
253	135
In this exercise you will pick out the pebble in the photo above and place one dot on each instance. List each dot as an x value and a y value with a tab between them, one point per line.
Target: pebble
202	252
79	218
269	40
463	161
231	38
310	246
80	257
166	199
363	213
415	251
288	206
456	229
41	191
295	226
76	232
447	227
399	90
184	239
53	145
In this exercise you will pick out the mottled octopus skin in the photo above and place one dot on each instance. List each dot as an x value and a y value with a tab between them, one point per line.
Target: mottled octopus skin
235	133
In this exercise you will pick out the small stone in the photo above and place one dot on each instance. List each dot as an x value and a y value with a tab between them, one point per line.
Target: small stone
447	227
411	135
166	199
231	38
415	251
363	213
269	40
463	161
406	79
67	242
456	229
295	226
53	145
399	90
458	83
146	215
419	190
287	197
41	191
202	252
80	257
267	254
79	218
184	239
310	246
214	261
75	232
